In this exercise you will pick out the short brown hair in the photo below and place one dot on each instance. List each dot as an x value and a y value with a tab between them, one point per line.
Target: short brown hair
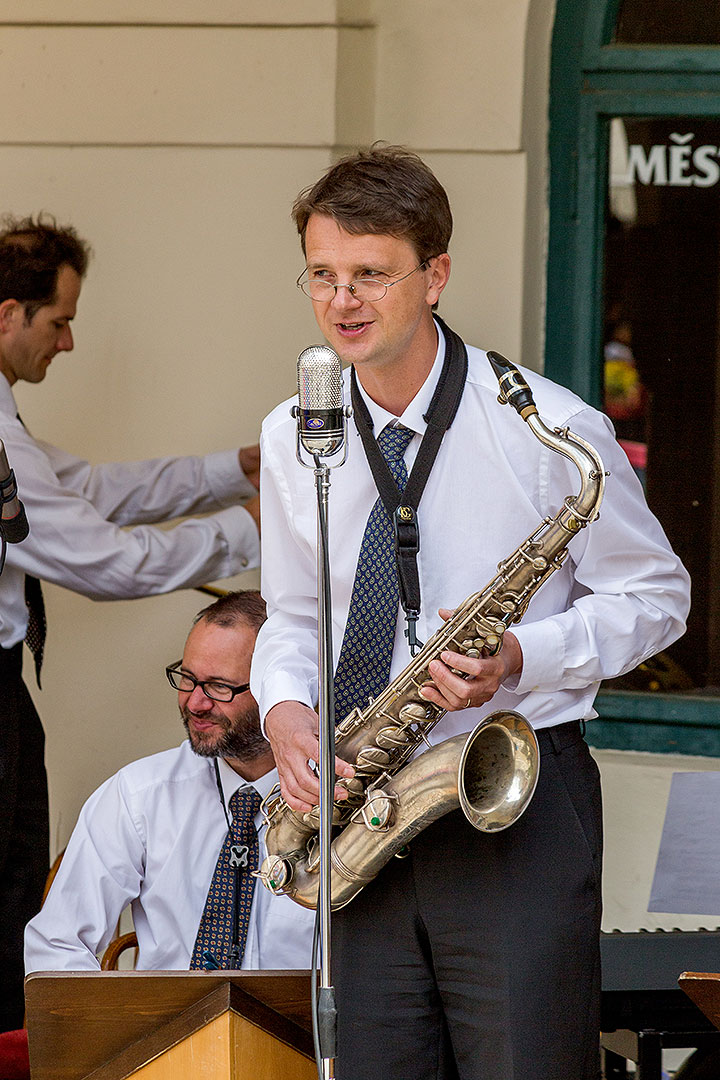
384	189
245	607
32	252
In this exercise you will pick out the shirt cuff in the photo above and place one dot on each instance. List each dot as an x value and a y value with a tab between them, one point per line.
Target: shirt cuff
240	532
543	649
226	479
282	687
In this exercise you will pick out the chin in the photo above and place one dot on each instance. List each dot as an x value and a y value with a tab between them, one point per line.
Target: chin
203	747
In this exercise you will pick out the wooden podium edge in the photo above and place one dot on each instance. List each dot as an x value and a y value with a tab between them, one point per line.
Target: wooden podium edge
703	988
80	1022
185	1024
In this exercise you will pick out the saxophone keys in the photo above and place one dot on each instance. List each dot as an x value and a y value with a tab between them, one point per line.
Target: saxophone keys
275	873
412	711
356	791
392	738
312	862
378	813
372	759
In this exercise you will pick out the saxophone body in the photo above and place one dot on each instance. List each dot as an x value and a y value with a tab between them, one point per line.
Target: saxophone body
491	772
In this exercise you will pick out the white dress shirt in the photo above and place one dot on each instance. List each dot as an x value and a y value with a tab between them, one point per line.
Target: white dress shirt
621	596
76	512
150	837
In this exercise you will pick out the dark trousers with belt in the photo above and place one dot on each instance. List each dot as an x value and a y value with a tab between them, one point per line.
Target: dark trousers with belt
477	956
24	830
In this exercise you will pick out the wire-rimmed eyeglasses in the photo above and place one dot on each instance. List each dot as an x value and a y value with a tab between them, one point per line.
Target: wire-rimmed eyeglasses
212	688
366	290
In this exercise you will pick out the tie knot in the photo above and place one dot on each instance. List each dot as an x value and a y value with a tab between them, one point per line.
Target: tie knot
394	440
244	804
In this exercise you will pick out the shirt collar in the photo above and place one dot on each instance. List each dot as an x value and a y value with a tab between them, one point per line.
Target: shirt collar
413	416
232	781
7	398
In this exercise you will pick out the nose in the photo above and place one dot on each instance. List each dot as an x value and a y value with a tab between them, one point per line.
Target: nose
65	341
344	298
197	700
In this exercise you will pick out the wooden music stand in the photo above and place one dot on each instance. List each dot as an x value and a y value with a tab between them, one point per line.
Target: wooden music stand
109	1025
704	989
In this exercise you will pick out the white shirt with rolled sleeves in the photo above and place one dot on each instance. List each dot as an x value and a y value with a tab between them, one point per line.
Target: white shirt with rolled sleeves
621	596
150	837
77	512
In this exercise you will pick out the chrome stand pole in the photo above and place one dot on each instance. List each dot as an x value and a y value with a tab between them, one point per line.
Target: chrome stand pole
327	1011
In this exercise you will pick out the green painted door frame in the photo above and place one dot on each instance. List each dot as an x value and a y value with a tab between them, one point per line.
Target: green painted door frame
591	82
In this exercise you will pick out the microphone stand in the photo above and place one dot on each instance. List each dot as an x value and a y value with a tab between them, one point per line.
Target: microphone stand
327	1010
324	1009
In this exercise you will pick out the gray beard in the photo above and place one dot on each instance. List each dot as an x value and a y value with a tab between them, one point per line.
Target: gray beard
245	741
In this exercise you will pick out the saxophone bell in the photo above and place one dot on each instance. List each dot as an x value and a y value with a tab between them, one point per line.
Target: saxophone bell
498	771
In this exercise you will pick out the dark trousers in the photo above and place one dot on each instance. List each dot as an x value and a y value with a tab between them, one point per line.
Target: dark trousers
477	956
24	829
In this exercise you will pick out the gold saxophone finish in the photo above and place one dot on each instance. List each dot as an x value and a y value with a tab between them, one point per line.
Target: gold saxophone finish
490	773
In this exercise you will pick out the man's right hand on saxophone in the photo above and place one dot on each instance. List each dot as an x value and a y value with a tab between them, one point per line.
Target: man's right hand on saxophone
483	676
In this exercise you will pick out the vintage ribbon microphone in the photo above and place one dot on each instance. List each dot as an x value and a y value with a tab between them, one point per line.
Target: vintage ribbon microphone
13	519
321	434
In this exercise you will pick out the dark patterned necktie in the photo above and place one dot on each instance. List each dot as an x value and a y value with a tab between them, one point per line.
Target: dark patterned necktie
363	668
37	625
230	895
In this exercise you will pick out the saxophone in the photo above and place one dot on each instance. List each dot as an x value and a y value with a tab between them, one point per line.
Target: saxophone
491	772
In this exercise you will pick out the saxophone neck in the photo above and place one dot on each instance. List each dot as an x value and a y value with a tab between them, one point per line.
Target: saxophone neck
587	461
515	391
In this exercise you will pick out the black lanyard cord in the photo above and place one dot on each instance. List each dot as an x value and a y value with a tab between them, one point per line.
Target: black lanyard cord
402	506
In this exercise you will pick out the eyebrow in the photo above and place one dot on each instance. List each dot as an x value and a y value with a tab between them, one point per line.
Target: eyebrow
369	265
210	678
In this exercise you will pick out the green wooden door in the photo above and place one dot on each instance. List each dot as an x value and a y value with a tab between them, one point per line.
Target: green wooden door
633	311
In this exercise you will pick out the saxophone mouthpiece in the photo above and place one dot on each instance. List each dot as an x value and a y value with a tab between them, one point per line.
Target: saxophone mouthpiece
514	390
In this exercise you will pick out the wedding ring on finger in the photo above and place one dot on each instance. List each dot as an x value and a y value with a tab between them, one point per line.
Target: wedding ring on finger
467	704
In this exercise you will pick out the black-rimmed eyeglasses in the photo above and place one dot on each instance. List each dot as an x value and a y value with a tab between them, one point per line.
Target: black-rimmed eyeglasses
366	290
212	688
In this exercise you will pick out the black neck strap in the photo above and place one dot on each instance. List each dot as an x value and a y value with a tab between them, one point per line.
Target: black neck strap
218	781
402	507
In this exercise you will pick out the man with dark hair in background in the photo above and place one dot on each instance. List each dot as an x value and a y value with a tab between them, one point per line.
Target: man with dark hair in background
151	835
477	956
76	514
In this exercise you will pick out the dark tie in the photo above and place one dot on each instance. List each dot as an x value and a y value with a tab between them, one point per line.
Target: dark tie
37	625
363	668
230	895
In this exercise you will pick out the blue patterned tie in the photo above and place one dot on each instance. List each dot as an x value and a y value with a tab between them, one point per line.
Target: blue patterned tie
363	668
232	884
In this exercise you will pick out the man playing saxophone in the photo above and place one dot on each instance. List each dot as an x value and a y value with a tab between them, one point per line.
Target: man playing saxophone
456	961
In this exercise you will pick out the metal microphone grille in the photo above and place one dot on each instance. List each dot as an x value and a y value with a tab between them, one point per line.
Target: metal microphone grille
319	374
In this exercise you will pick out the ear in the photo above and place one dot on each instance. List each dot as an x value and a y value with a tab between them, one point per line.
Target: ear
439	272
11	313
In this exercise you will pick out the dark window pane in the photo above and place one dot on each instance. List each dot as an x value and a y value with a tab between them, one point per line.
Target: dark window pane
661	356
668	22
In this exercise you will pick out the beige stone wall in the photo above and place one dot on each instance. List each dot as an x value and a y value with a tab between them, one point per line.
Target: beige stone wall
175	136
